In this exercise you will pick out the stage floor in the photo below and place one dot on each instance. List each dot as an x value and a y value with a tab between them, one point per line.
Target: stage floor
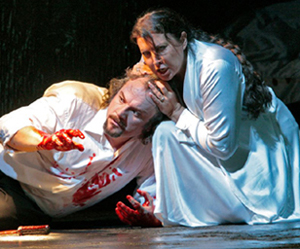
285	235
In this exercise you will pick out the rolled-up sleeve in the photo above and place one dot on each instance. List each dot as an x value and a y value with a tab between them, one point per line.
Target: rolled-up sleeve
47	114
38	114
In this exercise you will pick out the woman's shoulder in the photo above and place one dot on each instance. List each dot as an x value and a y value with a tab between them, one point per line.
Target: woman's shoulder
211	51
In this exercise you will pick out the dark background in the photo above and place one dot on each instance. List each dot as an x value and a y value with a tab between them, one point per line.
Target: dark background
47	41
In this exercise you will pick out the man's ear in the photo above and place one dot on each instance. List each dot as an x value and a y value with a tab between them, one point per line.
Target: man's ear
183	39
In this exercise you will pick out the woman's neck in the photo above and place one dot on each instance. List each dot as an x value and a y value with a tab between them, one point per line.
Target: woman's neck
181	74
178	81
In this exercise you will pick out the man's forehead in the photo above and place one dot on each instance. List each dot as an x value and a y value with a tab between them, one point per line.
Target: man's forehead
139	87
139	84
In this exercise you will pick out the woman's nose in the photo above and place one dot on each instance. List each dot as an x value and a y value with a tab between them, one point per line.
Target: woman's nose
156	58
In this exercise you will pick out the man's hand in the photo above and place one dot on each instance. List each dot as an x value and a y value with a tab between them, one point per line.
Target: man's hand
61	140
141	215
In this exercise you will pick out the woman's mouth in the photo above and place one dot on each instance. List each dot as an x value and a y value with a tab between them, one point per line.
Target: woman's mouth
162	70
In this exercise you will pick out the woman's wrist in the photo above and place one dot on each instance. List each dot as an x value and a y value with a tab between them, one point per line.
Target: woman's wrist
177	112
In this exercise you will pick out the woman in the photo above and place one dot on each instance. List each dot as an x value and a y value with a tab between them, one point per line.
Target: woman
231	152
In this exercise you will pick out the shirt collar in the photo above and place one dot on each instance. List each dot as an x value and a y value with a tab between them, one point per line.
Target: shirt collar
95	126
95	129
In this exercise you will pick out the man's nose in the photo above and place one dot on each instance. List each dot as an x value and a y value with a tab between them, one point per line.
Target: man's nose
122	111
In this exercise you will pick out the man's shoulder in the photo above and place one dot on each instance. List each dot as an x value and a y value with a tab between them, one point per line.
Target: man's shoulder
88	92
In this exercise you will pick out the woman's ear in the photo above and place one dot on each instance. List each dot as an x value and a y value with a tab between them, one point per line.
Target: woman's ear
183	39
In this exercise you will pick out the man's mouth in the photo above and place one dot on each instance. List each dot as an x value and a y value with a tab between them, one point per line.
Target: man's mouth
117	122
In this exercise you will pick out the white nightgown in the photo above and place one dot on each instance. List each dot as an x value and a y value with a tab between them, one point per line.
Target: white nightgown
217	166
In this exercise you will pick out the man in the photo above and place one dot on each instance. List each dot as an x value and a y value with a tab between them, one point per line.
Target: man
68	150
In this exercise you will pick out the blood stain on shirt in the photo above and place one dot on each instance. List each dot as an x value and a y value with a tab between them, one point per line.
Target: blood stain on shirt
93	187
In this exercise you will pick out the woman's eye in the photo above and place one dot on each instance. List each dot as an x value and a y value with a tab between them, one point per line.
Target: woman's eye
161	49
146	54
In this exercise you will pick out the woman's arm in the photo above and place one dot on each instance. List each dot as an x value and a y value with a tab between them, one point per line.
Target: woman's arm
220	92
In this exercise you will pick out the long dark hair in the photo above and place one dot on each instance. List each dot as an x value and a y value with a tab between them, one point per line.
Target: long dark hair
257	97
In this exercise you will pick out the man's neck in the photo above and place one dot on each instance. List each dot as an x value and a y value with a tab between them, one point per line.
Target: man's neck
116	142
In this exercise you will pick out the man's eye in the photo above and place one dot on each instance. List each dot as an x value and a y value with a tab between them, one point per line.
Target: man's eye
121	99
136	114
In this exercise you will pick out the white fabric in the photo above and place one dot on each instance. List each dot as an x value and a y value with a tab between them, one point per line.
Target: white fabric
217	166
65	182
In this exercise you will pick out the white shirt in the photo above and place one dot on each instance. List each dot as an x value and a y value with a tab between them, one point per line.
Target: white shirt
64	182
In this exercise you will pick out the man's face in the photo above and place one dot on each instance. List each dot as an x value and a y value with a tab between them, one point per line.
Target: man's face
129	110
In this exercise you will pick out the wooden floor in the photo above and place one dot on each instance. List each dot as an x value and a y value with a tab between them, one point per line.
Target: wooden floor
285	235
98	227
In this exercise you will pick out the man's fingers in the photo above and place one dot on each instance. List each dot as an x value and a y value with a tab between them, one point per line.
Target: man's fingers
147	196
56	140
64	137
136	205
78	146
75	133
122	217
67	135
126	214
126	211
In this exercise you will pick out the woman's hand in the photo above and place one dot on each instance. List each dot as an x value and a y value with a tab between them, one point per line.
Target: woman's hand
141	215
61	140
165	99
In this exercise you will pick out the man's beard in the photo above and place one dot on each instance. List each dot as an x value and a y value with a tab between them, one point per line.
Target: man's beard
116	133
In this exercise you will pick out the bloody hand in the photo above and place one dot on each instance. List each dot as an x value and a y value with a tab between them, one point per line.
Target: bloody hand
141	215
61	140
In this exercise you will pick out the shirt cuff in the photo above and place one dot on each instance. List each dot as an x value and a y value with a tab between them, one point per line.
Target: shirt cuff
186	119
193	126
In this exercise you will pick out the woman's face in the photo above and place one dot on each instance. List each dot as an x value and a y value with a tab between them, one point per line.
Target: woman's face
165	57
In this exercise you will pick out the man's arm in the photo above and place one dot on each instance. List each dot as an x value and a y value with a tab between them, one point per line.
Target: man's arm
30	139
